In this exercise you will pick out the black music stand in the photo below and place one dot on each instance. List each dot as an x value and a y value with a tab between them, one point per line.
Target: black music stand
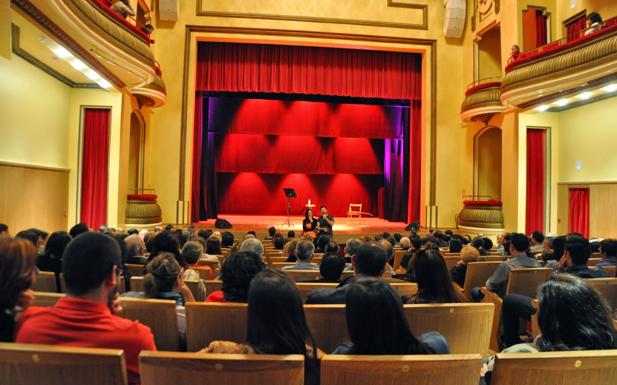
289	193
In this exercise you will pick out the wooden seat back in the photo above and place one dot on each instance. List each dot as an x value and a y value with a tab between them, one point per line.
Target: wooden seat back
24	364
212	264
398	257
607	287
611	271
136	270
451	261
477	274
46	299
493	258
526	281
137	284
306	275
164	368
591	367
450	369
593	261
205	272
159	315
466	326
213	285
45	281
210	321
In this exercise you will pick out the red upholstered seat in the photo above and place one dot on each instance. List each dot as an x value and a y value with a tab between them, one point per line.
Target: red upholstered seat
141	197
492	202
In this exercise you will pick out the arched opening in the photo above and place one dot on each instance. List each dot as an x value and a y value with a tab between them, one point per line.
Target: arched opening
136	153
487	163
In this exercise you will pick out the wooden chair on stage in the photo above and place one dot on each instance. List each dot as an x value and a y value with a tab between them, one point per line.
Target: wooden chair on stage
354	212
521	281
159	315
163	368
45	281
45	299
590	367
24	364
476	276
446	369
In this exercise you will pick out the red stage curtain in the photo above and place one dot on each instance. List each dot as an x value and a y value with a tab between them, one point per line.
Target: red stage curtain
286	69
415	163
579	211
576	27
541	33
196	188
94	166
535	180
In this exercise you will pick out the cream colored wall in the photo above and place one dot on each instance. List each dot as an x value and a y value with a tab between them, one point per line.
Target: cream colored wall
163	143
489	55
488	163
606	8
33	115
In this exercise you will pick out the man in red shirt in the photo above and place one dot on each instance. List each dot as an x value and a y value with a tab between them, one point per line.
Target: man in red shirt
86	317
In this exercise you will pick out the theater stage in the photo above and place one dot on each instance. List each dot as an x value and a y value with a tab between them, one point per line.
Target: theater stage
343	229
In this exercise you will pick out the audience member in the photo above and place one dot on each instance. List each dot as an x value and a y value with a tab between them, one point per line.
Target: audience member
370	260
253	245
455	245
78	229
304	254
351	248
434	282
135	250
552	257
236	273
331	268
416	243
291	235
4	231
164	242
17	268
608	250
275	324
488	244
51	259
289	250
29	236
387	246
478	243
271	233
458	272
537	243
191	253
213	250
377	324
278	241
594	23
322	242
227	239
85	317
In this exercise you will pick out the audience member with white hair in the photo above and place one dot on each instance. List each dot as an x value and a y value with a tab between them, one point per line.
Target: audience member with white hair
253	245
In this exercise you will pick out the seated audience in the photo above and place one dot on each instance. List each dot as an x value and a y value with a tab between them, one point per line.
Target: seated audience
213	250
275	324
227	239
434	282
164	242
515	51
377	324
253	245
455	245
332	248
236	273
488	244
4	231
289	251
563	326
191	253
387	246
278	241
370	260
17	268
291	235
304	254
51	259
204	233
331	268
271	233
322	242
552	257
537	243
86	316
351	248
577	254
478	243
135	250
416	244
458	272
608	250
78	229
594	23
29	236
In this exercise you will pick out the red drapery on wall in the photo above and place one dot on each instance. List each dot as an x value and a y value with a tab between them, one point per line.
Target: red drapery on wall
229	67
541	33
535	180
94	166
575	28
579	211
534	28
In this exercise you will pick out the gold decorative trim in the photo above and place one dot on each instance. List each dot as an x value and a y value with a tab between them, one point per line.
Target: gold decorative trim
328	20
17	50
431	43
549	67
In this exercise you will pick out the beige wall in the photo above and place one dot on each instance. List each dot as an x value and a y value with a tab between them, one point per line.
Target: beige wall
489	54
488	163
34	115
163	143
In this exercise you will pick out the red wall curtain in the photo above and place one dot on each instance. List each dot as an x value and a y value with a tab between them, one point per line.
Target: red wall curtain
575	28
95	166
579	211
541	33
308	70
535	180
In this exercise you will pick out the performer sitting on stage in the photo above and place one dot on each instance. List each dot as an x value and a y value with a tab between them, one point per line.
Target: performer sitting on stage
309	224
325	222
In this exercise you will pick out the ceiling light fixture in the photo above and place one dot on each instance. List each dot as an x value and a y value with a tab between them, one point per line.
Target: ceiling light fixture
92	75
104	83
585	95
78	64
562	102
610	88
61	52
542	108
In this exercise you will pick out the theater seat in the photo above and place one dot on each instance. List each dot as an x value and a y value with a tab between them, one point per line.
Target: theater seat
159	315
450	369
165	368
24	364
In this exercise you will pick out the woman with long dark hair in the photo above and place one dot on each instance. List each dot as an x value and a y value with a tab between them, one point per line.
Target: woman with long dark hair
237	272
433	278
377	323
275	323
309	224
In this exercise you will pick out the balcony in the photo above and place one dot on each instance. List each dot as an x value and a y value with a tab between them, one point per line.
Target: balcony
562	68
482	100
110	44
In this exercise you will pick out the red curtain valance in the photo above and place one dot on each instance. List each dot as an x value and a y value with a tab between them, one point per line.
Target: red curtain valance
233	67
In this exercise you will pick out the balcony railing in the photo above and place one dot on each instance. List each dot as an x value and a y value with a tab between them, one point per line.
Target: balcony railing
134	27
482	99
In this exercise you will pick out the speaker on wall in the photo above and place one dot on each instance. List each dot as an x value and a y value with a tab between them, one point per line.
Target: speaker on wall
454	18
168	10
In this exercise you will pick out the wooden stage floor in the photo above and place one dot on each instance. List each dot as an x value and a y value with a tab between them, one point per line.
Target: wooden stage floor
343	229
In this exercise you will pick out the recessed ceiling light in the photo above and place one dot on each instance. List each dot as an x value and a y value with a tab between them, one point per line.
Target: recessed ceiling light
542	108
78	64
585	95
610	88
104	83
61	52
562	102
92	75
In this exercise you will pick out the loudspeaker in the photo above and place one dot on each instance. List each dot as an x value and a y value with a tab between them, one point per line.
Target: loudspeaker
168	10
454	18
413	226
222	224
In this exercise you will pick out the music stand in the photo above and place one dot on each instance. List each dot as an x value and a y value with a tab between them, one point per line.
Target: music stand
289	193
